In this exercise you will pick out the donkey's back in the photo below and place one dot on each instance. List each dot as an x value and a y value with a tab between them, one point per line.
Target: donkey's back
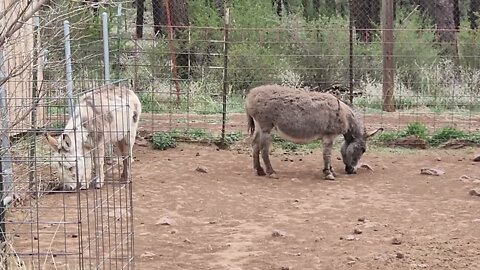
111	111
299	115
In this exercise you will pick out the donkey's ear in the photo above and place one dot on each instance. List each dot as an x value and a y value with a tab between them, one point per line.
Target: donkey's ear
52	141
66	142
368	135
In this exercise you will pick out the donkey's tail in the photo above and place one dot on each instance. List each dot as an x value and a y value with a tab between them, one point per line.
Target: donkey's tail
251	124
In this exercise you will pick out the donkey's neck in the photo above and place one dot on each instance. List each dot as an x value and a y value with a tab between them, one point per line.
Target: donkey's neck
355	130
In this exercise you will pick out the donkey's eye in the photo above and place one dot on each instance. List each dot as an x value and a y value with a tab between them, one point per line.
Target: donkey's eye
363	149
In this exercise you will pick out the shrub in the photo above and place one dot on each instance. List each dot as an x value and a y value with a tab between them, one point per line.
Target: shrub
163	140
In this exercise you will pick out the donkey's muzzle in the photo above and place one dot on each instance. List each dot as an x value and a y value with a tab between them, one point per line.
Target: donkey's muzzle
350	169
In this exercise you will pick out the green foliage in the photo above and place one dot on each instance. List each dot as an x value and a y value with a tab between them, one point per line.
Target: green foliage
294	147
440	136
194	134
163	140
414	49
389	136
232	137
416	129
448	133
250	65
318	59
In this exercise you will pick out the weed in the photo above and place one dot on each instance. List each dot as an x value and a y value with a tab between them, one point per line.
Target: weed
441	136
416	129
163	140
232	137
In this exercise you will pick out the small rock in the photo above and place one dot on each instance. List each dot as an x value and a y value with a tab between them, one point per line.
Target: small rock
474	192
147	254
464	178
351	262
141	142
352	258
477	158
74	236
361	219
429	171
400	255
186	240
357	231
285	268
366	166
278	233
166	222
397	240
201	169
350	237
197	154
439	159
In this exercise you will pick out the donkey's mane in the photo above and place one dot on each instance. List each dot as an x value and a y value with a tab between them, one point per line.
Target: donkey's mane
355	128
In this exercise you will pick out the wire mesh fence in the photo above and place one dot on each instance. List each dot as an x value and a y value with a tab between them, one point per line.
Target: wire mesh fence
191	63
398	61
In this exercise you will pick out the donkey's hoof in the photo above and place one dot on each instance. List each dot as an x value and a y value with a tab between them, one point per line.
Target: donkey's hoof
69	187
98	185
329	176
273	176
261	172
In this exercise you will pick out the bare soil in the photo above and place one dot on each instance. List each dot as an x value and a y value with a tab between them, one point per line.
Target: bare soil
228	218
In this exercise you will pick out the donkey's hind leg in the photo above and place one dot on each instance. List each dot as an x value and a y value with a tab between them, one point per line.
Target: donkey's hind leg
256	153
265	142
327	157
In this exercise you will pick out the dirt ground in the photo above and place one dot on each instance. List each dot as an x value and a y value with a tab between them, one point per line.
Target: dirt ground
228	218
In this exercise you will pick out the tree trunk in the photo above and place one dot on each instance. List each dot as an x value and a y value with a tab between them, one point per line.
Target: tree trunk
159	17
473	13
330	7
281	6
308	11
316	6
139	19
443	11
388	60
219	6
456	14
365	13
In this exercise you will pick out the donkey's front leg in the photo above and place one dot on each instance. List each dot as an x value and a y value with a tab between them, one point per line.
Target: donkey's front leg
327	157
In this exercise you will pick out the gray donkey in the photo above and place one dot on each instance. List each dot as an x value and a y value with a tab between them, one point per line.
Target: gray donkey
301	117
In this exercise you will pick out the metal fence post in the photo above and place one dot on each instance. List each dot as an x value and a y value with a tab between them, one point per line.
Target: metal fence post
6	158
68	63
33	117
119	25
106	56
106	63
3	231
225	73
